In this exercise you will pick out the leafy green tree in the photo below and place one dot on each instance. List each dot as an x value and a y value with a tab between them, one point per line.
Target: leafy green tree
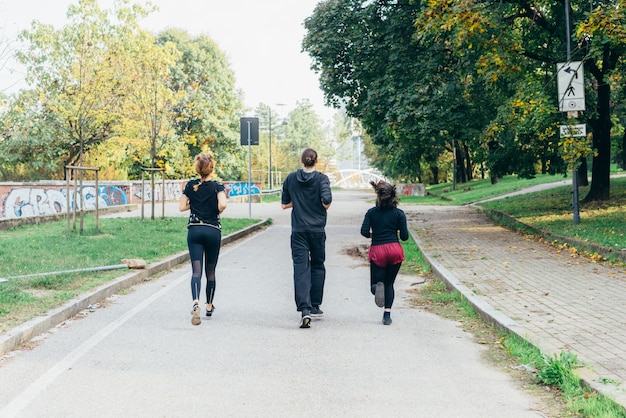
600	34
261	158
207	113
78	87
362	57
29	149
407	90
150	100
107	93
304	130
487	70
529	38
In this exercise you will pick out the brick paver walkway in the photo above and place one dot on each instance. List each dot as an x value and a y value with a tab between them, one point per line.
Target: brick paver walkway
561	301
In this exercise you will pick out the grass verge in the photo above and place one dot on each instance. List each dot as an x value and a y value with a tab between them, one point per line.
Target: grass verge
49	247
550	210
478	189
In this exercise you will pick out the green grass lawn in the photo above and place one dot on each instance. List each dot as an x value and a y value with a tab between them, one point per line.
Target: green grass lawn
551	210
49	247
478	189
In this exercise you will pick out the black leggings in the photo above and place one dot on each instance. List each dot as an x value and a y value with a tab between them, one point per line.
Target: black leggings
204	246
387	275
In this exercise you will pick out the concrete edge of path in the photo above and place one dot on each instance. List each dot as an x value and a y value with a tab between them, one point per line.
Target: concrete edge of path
17	337
496	318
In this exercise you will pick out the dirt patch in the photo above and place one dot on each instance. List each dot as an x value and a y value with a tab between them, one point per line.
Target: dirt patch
360	252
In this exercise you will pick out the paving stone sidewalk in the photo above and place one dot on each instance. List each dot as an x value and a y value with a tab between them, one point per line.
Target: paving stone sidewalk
552	297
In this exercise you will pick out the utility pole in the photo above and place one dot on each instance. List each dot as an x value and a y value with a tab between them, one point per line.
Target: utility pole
572	115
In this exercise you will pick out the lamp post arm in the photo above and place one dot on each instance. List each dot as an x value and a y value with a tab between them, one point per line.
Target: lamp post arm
269	166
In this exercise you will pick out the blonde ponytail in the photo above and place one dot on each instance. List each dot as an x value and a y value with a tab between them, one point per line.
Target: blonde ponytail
204	165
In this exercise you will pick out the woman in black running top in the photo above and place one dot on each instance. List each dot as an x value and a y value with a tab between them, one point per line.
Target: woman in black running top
206	199
383	223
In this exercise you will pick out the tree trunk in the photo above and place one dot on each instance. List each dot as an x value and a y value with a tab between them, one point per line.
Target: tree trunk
469	169
623	164
460	163
600	172
435	171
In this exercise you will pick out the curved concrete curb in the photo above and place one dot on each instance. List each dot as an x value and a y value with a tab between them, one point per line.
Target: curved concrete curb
499	320
15	338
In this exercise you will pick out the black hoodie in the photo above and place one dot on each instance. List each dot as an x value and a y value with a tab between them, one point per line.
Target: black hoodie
307	191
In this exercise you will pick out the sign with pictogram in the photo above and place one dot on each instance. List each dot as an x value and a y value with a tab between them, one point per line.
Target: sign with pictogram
249	131
571	86
569	131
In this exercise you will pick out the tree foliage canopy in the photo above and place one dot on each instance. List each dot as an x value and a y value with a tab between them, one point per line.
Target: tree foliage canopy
108	93
477	77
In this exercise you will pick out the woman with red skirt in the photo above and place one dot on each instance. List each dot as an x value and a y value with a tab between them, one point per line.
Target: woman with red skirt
385	224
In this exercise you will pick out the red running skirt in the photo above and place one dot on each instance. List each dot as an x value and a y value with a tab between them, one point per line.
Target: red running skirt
384	255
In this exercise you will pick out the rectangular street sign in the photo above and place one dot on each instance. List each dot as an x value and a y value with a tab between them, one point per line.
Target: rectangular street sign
571	86
568	131
249	131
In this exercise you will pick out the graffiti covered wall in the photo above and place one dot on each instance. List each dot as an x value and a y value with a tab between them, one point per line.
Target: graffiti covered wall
411	189
46	198
18	202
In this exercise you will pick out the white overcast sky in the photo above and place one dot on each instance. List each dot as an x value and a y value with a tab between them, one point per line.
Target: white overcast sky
261	38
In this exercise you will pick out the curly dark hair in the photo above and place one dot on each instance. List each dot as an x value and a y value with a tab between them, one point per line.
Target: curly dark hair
385	194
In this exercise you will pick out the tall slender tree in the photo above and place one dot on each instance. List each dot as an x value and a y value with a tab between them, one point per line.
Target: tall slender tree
207	114
73	72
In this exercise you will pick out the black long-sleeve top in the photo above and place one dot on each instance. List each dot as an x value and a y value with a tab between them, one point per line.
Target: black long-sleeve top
383	225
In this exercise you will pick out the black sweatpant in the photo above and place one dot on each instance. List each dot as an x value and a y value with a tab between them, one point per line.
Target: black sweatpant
308	252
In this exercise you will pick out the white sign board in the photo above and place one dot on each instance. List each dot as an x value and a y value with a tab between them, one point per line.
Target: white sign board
568	131
571	86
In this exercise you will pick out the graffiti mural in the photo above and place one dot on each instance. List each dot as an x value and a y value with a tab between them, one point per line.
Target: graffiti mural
414	189
37	201
21	200
243	189
114	195
173	190
32	202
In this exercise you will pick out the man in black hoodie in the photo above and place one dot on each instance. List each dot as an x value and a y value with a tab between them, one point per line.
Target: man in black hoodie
307	192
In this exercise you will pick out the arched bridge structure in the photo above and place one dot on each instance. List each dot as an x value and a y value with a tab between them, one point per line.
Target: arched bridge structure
354	178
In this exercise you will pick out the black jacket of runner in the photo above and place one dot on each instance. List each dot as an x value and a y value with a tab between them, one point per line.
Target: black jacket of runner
307	192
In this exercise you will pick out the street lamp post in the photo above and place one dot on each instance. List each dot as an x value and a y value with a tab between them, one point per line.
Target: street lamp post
269	168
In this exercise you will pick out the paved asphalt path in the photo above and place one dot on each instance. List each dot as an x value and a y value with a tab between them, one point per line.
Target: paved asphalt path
137	354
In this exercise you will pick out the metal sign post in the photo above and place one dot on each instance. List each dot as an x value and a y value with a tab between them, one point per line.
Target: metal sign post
249	130
571	96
